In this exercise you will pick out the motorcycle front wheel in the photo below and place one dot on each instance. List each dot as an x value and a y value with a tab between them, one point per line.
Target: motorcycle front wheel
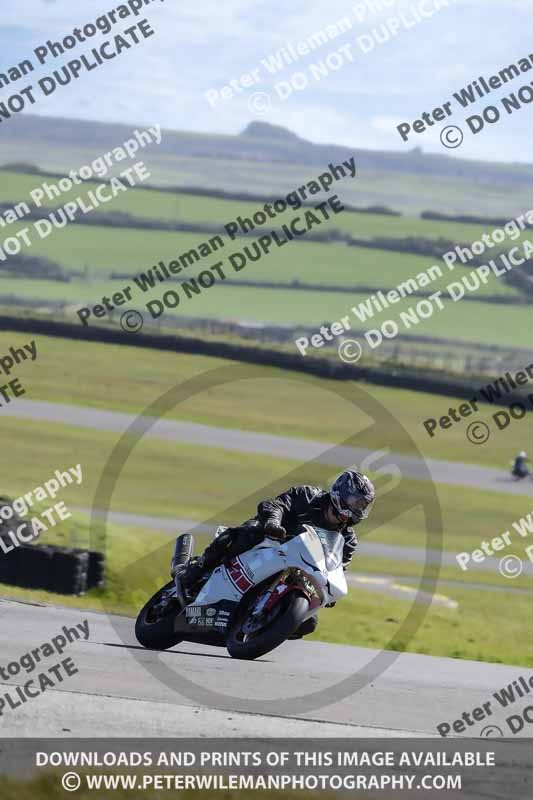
154	627
290	613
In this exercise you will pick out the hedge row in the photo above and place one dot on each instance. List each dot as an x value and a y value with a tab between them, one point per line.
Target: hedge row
402	377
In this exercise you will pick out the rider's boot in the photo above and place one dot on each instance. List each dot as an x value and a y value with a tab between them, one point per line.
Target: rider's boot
188	576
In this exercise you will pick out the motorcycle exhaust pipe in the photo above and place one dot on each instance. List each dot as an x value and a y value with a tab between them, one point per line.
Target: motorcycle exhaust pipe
183	551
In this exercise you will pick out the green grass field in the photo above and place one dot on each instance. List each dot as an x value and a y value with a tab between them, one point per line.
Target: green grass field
454	634
99	251
470	323
123	377
105	250
185	207
411	573
47	786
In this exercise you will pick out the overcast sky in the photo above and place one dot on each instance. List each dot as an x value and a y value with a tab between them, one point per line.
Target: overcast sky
200	46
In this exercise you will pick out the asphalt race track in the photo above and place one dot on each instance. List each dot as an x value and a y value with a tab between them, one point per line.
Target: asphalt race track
122	689
115	692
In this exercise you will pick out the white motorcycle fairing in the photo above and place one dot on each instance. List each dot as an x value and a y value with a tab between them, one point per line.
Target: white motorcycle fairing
315	552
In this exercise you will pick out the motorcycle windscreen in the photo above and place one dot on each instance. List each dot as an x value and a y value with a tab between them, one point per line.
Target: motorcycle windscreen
333	546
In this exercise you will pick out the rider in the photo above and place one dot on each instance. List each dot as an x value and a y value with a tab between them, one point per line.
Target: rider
520	467
349	500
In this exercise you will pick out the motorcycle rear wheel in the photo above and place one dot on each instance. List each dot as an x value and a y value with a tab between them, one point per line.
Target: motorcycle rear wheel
153	632
294	610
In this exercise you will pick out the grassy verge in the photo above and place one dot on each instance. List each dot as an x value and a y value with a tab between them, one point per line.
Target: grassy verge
411	572
175	480
129	378
48	787
482	629
468	516
161	478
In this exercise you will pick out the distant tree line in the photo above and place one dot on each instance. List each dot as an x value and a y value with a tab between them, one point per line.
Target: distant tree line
199	191
34	268
467	219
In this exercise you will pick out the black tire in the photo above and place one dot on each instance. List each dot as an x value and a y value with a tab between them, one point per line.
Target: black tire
158	634
283	626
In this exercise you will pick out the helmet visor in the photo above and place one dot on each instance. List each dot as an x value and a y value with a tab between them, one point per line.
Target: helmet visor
355	507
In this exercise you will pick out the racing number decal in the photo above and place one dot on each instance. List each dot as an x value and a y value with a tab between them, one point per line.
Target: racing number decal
238	577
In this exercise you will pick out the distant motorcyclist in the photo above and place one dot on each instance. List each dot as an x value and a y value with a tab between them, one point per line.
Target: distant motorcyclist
349	501
520	466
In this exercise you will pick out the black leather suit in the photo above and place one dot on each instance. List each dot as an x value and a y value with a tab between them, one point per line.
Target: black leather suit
298	505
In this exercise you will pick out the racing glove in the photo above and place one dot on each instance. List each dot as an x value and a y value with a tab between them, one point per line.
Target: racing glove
274	530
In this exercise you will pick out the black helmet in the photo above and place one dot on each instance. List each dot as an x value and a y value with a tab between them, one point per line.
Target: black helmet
352	495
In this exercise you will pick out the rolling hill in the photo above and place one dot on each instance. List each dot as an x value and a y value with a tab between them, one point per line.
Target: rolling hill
269	159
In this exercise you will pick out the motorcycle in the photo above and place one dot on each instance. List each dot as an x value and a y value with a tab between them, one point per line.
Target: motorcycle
520	474
253	603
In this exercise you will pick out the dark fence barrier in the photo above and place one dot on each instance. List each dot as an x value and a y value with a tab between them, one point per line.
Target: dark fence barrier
404	377
61	570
